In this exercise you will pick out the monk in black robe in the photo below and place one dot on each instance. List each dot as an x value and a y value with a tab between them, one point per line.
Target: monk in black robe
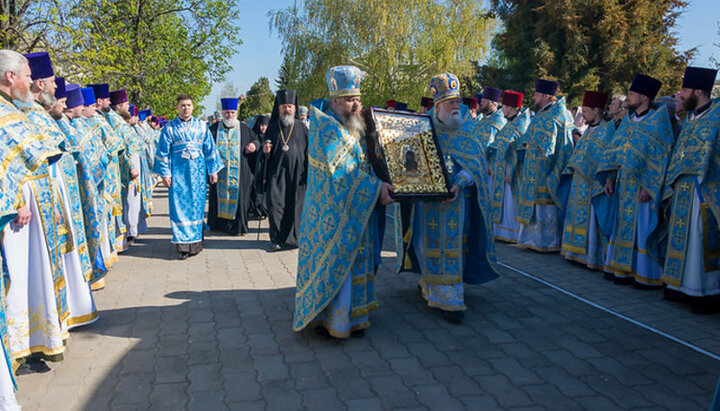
284	175
257	210
231	149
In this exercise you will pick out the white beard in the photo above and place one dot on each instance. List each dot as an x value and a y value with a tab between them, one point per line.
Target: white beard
451	120
287	121
232	123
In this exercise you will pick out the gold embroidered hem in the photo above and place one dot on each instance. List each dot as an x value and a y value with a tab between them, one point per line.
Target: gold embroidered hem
339	334
82	320
506	240
579	260
98	285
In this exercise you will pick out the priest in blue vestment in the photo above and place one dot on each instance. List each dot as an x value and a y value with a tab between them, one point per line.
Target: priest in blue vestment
493	119
230	198
186	158
450	243
502	157
340	238
581	241
632	171
546	148
692	187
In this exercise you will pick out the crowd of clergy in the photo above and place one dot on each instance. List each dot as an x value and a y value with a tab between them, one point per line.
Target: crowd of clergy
630	187
76	190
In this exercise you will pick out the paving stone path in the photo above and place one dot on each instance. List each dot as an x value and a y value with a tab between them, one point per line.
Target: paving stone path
214	332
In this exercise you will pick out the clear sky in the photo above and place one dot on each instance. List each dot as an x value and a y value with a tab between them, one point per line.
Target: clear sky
260	53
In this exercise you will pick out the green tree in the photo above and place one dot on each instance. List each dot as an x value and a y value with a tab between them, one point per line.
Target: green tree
585	44
156	49
259	100
287	74
399	44
26	24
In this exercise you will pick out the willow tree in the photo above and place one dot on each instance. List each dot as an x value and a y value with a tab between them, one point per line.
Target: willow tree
399	44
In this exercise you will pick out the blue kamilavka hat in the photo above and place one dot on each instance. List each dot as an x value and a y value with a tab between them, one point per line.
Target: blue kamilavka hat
88	96
699	78
229	103
74	96
60	91
101	90
40	65
492	94
646	85
545	86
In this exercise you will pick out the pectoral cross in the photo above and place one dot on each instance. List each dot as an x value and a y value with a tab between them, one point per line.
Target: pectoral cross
626	146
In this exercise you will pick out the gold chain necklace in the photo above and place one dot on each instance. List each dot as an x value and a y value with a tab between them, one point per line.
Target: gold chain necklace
285	146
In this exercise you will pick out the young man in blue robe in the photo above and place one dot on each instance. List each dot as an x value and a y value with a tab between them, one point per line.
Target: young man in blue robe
581	240
692	186
340	239
450	243
502	156
186	158
544	149
633	171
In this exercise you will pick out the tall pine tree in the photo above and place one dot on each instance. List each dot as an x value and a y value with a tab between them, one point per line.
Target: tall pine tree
585	44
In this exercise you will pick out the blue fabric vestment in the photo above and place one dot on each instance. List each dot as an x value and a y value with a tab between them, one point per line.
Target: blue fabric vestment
636	158
339	240
186	152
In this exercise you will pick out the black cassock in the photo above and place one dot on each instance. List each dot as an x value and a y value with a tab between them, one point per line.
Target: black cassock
285	177
240	224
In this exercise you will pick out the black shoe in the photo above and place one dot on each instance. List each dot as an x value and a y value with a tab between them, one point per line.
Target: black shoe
623	280
608	276
38	366
183	256
453	316
130	240
23	369
275	247
673	295
321	331
357	334
640	286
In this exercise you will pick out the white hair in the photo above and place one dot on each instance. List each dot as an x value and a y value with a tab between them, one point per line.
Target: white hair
619	97
12	61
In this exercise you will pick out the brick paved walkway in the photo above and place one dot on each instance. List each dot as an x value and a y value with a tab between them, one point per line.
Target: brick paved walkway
214	332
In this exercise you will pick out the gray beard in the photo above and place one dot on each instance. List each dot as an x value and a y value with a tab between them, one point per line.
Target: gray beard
26	96
450	120
287	121
354	124
232	123
47	100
